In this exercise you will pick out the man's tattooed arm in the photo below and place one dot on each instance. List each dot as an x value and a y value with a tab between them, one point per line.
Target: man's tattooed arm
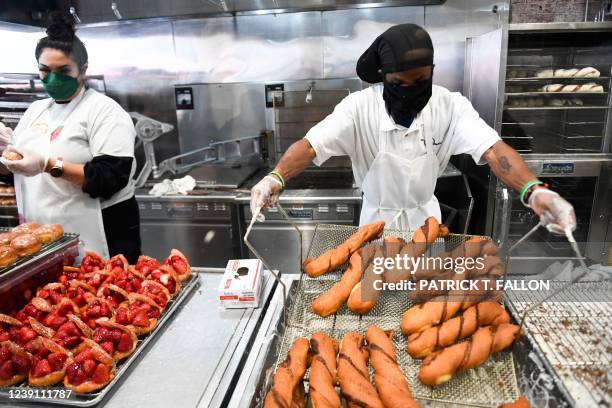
508	165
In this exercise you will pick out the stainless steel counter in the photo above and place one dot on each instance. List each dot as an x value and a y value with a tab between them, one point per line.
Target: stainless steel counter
193	361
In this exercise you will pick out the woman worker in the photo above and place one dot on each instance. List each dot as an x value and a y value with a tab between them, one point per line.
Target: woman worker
400	134
77	150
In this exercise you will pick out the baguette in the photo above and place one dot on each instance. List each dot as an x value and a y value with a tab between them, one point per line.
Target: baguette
288	375
390	382
335	257
329	302
353	373
485	313
323	375
440	366
364	296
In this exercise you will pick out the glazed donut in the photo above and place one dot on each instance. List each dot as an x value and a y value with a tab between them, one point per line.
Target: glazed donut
8	256
7	237
25	228
11	155
26	244
48	233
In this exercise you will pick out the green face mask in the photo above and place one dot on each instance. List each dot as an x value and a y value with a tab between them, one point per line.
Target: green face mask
59	86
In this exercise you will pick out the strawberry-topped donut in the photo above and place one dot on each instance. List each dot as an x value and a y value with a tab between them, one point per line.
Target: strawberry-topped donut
92	262
113	293
139	313
8	324
72	333
127	279
49	362
28	332
70	273
166	276
116	263
114	338
96	309
91	369
80	292
52	292
145	265
179	263
37	308
156	291
15	363
97	278
60	314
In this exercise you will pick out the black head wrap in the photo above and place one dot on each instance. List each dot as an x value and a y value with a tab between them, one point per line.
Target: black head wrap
400	48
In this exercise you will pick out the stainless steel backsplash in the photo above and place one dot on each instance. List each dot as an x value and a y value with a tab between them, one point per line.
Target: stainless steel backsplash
142	60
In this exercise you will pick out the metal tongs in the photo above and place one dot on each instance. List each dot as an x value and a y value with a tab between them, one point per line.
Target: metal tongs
277	276
570	237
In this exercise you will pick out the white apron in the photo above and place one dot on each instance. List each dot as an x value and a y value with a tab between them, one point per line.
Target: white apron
400	191
45	199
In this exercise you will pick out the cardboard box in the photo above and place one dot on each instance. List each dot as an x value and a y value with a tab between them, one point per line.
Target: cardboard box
241	284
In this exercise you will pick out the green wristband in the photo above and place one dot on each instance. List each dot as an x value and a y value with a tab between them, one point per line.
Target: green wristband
526	187
279	177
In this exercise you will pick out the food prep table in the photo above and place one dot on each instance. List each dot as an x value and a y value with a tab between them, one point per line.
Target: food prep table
193	362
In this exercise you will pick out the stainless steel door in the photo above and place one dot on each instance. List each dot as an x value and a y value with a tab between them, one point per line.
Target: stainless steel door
586	183
210	245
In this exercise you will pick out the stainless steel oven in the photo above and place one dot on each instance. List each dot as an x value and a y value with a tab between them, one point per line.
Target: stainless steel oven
557	91
586	182
203	228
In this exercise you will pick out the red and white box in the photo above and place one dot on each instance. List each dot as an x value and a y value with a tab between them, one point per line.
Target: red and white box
241	284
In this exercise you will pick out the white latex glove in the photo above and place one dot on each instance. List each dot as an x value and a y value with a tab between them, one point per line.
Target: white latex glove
265	193
556	214
6	136
31	164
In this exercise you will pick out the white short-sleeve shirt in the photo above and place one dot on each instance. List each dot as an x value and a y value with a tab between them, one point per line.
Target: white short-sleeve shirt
354	127
93	126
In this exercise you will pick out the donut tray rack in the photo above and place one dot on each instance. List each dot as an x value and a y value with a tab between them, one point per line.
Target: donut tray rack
489	385
49	253
28	394
569	331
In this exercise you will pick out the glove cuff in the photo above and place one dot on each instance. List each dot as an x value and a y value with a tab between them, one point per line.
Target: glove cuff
536	192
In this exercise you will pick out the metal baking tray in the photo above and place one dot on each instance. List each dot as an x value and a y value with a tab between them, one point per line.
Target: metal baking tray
46	251
569	333
491	384
88	400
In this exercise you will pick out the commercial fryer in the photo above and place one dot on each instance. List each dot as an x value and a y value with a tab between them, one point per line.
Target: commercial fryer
559	358
489	385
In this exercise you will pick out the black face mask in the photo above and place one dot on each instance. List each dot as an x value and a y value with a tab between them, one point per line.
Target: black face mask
405	102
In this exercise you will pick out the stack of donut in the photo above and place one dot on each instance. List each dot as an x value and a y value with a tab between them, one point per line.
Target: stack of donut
346	365
351	288
75	330
25	240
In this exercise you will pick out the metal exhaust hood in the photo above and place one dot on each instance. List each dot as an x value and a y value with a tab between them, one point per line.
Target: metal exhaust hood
32	12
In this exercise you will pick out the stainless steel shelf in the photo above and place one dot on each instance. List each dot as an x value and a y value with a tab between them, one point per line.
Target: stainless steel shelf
516	28
555	108
554	93
557	78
